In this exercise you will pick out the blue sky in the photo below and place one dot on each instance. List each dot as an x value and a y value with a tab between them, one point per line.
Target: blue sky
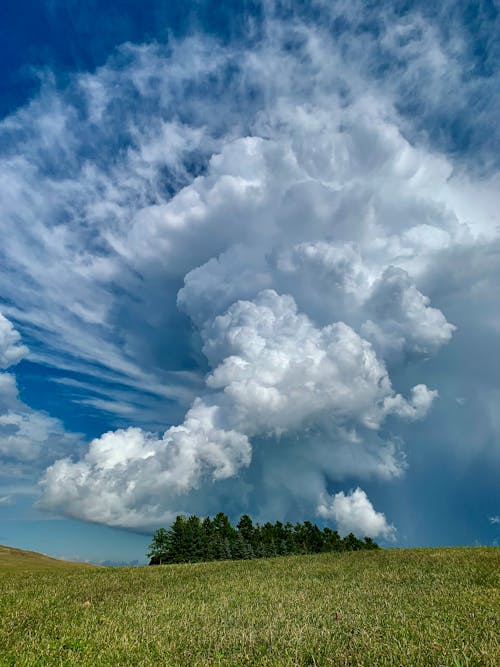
250	262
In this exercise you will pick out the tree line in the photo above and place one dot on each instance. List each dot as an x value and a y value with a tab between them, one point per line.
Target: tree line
192	540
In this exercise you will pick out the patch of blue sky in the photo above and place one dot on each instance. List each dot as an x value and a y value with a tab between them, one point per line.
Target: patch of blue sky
63	37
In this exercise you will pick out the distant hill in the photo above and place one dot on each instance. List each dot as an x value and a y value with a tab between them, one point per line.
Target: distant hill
19	559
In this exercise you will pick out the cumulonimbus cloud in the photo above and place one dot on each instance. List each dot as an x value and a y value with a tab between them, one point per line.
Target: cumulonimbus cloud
279	247
274	374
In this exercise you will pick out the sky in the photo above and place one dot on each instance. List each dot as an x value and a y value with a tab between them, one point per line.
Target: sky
249	263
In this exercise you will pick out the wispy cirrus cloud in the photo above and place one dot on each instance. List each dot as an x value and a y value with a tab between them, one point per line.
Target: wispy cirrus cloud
28	437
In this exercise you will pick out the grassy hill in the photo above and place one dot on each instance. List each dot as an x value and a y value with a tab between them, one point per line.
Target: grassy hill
396	607
18	559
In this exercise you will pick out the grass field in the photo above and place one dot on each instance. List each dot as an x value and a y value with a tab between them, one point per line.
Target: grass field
29	561
397	607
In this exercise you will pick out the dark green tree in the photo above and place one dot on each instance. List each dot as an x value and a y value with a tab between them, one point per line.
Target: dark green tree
370	544
352	543
245	528
331	540
159	549
193	540
209	533
180	541
222	526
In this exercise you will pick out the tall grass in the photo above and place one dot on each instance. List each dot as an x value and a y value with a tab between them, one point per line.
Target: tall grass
31	561
408	607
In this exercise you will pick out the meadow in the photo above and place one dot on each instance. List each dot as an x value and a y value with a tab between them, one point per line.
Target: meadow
388	607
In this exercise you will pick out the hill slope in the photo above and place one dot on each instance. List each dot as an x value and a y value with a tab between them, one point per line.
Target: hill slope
19	559
424	607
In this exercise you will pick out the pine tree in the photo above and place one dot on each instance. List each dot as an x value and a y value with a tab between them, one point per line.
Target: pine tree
238	547
226	549
223	527
193	540
209	539
179	540
351	543
196	545
248	551
331	540
245	527
370	544
159	549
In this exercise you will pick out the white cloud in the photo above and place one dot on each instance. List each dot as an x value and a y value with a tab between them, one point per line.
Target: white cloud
353	512
402	320
130	478
281	211
27	436
274	373
11	349
139	241
277	369
495	519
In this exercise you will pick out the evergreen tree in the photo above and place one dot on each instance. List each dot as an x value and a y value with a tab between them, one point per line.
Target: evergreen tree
370	544
239	547
195	538
282	548
245	528
270	549
226	549
259	551
331	540
192	540
289	538
248	550
300	538
351	543
180	546
313	538
159	549
222	526
209	539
